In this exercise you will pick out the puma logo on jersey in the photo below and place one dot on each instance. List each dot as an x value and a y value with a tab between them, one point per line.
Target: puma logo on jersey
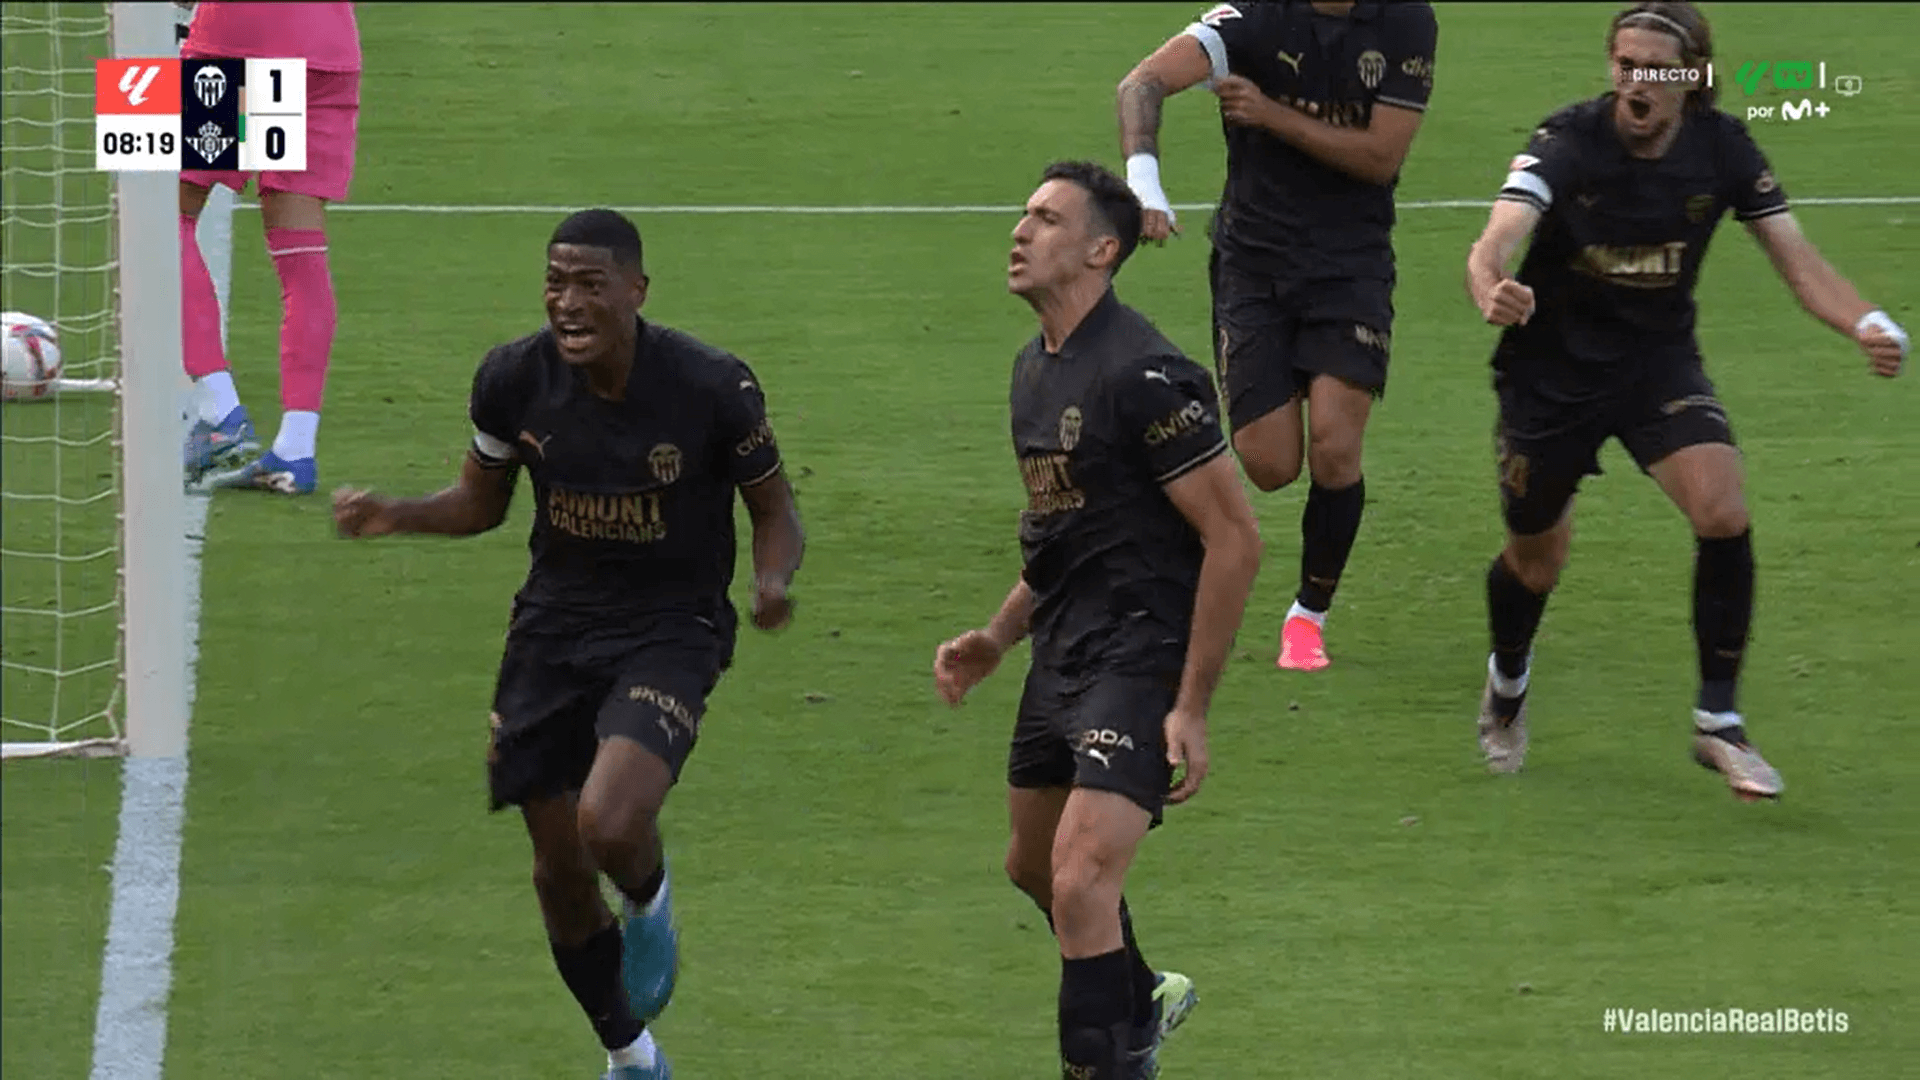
1159	373
539	445
1293	61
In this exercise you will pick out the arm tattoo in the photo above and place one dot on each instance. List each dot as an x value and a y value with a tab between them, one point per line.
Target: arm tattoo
1140	100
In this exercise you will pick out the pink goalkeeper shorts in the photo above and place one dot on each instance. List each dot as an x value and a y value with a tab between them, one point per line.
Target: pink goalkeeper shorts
333	122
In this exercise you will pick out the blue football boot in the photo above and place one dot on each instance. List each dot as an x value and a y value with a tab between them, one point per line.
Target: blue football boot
270	472
219	446
650	954
659	1070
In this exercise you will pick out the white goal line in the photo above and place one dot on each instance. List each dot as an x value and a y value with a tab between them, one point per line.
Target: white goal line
535	208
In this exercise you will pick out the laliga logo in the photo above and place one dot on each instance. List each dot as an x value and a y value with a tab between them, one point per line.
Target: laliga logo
210	85
135	80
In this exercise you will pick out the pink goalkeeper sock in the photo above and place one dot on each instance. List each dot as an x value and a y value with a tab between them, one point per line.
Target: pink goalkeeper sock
308	315
199	309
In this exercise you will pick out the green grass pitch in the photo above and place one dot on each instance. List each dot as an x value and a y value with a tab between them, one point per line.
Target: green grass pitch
1353	895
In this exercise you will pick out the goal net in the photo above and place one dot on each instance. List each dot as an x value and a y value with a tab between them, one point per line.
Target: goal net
87	542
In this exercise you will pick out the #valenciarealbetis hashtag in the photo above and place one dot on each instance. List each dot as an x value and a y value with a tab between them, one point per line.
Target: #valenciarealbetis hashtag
1784	1021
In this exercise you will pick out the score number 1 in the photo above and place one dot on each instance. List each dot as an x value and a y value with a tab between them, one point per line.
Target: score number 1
276	117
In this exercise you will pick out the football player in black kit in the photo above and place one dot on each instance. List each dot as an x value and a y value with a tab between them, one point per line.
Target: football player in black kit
636	437
1139	551
1622	194
1321	102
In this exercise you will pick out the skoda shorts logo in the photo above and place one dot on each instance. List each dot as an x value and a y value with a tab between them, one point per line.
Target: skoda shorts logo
210	142
209	85
1373	68
1101	744
1070	428
664	460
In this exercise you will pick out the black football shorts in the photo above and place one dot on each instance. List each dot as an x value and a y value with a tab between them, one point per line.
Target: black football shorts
1270	338
1544	449
1102	730
559	695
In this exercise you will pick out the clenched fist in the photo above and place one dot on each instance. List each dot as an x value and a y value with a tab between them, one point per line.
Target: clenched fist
1508	303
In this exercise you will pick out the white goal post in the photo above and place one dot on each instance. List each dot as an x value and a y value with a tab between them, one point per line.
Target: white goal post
100	258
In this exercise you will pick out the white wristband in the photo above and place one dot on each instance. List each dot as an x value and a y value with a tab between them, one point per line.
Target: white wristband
491	447
1143	176
1879	320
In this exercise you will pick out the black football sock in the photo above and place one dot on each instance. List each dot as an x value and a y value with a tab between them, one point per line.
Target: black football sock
1513	615
650	887
1722	615
1143	975
1327	527
1094	994
592	971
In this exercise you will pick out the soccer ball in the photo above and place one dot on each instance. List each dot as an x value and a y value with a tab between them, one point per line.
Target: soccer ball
32	357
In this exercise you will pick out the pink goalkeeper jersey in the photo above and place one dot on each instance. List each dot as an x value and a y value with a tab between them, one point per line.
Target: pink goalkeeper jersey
324	34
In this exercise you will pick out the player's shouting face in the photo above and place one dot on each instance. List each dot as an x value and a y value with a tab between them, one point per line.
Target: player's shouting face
592	302
1649	98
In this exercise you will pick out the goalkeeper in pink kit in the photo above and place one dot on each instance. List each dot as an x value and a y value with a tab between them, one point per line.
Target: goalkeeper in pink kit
293	207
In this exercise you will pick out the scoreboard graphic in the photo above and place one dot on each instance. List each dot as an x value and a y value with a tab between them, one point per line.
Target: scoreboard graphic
166	115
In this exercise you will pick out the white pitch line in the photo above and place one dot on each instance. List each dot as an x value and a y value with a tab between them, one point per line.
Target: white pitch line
136	969
130	1026
537	208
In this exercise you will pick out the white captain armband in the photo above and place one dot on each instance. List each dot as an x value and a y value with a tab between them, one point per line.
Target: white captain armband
1529	188
1211	41
489	450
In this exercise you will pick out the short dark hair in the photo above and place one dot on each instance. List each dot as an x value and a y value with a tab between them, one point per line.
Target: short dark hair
1116	212
1681	20
608	229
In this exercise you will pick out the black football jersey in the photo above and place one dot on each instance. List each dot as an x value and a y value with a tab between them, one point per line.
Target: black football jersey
1283	212
1618	248
634	498
1098	429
